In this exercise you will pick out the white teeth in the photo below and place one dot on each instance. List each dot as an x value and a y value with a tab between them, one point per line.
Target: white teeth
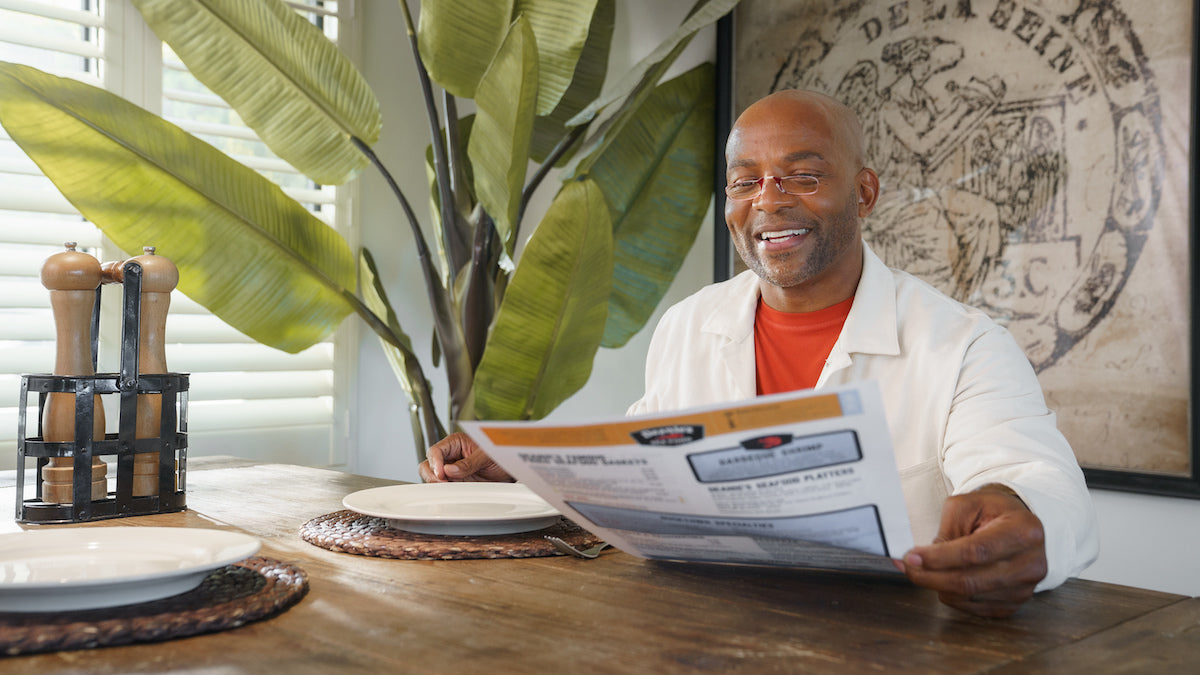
782	234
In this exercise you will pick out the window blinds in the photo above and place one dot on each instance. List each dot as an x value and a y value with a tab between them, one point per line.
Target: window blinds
245	399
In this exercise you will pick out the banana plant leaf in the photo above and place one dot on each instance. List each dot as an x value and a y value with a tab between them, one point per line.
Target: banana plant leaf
499	143
633	89
590	71
704	13
457	40
561	28
247	252
302	96
656	177
552	318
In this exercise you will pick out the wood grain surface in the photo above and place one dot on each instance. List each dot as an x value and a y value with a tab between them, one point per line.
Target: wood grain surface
613	614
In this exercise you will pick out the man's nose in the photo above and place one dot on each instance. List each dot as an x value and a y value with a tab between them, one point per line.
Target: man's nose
771	197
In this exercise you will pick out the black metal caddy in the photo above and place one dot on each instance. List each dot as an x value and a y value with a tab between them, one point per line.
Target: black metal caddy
128	384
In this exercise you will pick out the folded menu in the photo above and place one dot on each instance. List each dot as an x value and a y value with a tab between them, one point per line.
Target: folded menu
805	479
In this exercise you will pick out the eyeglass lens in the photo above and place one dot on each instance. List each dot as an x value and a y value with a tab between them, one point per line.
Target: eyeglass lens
792	185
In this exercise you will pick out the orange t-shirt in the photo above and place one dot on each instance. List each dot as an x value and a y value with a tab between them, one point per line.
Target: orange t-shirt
790	348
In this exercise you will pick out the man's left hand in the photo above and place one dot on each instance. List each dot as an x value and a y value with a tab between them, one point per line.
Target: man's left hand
988	556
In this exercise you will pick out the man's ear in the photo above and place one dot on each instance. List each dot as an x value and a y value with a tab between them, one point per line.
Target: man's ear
867	184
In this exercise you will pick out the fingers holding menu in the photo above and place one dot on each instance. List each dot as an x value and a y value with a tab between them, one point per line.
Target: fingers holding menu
458	458
988	556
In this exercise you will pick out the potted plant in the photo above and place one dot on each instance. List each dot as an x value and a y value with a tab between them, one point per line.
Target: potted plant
518	333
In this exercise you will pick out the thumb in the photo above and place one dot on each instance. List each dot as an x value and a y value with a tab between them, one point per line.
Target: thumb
467	466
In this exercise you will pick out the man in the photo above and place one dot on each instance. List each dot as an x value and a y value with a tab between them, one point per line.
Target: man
987	476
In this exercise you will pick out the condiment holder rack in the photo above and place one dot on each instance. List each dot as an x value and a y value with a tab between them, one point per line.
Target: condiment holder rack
123	446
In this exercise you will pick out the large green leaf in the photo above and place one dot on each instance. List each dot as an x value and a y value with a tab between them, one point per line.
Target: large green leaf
255	258
561	28
457	40
289	83
635	87
703	14
550	323
588	80
656	176
499	143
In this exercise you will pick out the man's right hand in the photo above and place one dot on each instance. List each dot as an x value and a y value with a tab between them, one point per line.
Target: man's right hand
458	458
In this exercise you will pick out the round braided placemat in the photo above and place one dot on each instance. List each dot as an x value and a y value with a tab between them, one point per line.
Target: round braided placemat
352	532
253	589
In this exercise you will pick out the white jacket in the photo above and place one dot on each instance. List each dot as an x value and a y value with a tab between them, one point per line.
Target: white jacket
963	404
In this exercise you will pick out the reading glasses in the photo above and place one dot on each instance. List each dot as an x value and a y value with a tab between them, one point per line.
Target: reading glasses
751	188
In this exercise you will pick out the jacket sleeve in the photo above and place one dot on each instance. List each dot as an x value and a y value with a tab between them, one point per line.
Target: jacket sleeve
659	362
999	430
647	403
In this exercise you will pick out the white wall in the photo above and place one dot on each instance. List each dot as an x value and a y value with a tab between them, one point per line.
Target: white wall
1148	541
1151	542
381	443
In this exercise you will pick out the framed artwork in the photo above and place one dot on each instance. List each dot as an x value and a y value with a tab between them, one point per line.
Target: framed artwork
1036	162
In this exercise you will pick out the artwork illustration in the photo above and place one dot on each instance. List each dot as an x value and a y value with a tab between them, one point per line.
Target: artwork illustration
1034	163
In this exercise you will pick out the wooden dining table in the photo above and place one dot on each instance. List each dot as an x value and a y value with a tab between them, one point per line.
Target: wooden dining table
615	613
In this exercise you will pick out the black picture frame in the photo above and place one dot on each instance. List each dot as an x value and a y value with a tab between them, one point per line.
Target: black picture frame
1168	485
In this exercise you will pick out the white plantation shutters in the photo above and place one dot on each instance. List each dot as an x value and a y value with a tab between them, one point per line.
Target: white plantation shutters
63	38
245	399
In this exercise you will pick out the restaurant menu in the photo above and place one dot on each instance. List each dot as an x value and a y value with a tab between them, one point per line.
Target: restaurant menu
804	479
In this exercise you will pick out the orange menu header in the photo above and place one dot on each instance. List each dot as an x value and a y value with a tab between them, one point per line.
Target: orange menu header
752	416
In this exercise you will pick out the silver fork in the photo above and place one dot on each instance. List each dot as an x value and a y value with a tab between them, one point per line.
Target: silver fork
567	549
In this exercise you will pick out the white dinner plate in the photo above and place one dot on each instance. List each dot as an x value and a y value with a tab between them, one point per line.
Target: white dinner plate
456	508
77	568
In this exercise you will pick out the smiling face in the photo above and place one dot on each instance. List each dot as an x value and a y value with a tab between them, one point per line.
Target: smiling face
805	249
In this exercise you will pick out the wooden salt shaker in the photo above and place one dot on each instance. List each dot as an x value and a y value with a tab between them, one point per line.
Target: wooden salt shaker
159	278
72	278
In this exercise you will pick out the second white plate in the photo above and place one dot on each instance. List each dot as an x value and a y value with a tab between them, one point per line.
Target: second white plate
456	508
76	568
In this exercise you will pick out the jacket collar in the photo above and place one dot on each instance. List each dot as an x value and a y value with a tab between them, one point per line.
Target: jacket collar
871	327
731	318
731	315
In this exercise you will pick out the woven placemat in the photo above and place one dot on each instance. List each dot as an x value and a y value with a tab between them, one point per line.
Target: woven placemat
253	589
351	532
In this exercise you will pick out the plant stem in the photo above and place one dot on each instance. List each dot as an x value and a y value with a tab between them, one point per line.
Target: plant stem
478	299
542	171
456	246
414	224
416	378
449	332
458	177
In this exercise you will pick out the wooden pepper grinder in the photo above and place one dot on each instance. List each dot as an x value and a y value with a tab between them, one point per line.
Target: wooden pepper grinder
159	278
72	278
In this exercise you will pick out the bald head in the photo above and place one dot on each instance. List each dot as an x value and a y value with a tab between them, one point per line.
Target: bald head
798	106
